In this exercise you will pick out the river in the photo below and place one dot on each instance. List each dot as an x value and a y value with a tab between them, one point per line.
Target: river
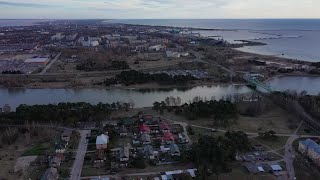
141	98
145	98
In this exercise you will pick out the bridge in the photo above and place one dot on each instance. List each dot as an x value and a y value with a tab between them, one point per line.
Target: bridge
253	81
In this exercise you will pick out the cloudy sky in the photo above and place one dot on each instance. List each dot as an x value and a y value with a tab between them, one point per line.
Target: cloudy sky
142	9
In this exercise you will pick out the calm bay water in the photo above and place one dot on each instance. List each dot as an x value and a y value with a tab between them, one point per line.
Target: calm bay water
291	38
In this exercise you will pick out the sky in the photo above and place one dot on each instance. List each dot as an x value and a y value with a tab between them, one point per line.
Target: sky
160	9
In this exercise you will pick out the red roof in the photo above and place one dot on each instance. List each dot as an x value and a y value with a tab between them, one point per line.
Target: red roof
144	128
167	136
164	126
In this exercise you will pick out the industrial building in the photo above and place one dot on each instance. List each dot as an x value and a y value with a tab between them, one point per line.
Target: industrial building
38	61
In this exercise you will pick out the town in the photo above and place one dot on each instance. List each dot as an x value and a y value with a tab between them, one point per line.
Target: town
259	133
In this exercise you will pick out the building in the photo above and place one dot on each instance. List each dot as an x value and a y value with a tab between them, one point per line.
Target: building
38	61
276	168
171	54
6	108
50	174
148	152
123	131
102	142
168	137
164	127
311	149
57	37
174	149
144	128
156	48
124	154
65	136
55	162
145	139
171	175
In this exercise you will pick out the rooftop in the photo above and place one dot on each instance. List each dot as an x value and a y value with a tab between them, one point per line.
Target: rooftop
102	139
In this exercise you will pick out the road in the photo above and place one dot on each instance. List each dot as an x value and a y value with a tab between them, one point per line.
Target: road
290	153
50	64
81	152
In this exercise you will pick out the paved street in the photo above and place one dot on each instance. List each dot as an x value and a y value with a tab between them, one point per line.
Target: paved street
50	64
78	163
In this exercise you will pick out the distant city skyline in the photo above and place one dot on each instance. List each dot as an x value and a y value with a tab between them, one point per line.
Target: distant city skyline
164	9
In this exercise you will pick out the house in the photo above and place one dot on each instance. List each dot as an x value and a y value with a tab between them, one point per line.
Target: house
164	127
144	128
171	54
311	148
50	174
171	175
148	152
123	131
174	150
60	148
124	154
168	137
55	162
65	136
102	142
276	168
145	139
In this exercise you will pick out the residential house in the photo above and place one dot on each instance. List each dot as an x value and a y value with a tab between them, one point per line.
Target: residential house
145	139
60	147
174	150
50	174
55	162
124	154
144	128
65	136
123	131
149	152
168	137
102	141
164	127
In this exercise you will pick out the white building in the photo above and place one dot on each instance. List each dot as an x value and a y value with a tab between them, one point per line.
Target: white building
171	54
57	37
156	48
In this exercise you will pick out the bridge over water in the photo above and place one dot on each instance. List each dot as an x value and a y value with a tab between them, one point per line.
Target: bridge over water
253	81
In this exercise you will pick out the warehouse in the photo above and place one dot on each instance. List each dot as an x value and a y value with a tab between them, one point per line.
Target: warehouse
37	61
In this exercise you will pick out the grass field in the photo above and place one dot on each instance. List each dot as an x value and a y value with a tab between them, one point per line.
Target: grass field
277	143
38	149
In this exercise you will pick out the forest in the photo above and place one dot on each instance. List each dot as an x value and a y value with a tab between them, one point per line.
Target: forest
136	77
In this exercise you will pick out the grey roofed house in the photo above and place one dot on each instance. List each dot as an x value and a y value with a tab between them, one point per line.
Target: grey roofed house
124	154
55	162
66	134
145	138
148	150
50	174
174	149
123	131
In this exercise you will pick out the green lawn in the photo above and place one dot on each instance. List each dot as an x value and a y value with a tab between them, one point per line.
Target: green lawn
38	150
277	143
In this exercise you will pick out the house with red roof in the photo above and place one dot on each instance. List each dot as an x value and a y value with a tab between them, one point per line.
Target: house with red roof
144	128
168	137
164	127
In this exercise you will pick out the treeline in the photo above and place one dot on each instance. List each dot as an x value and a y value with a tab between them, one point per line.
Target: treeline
63	113
214	153
93	66
220	111
12	72
136	77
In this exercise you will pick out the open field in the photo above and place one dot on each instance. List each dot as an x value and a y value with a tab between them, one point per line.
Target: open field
240	173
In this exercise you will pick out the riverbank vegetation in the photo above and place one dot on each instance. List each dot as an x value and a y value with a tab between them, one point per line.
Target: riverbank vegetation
220	111
136	77
62	113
